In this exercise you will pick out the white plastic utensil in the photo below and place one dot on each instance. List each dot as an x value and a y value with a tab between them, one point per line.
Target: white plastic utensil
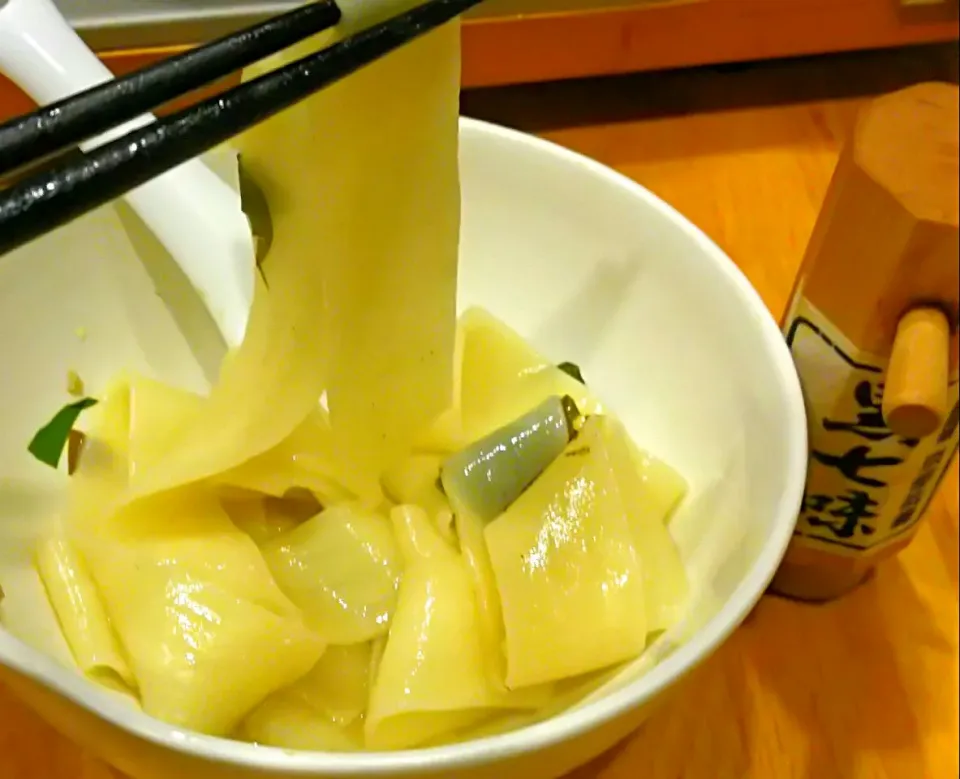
193	213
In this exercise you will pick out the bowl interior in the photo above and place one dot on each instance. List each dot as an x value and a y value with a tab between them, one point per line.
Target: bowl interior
591	268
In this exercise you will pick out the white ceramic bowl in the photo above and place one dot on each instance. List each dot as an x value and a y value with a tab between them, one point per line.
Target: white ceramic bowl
588	265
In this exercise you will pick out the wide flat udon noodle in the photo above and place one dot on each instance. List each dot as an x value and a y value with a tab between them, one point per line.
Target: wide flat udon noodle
359	300
204	628
431	679
367	319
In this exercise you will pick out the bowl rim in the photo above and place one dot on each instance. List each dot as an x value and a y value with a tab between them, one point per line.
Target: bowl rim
569	724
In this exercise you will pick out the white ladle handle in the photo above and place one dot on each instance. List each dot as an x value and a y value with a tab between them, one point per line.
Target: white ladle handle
194	214
43	55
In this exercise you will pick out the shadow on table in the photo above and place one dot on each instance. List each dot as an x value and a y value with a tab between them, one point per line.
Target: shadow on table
32	749
539	108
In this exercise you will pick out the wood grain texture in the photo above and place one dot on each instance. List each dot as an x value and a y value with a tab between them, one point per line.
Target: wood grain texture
865	688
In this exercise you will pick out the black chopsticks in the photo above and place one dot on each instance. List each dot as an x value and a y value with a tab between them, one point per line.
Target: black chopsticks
46	200
83	116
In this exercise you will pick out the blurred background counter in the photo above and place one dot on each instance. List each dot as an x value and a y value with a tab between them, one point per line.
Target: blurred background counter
523	41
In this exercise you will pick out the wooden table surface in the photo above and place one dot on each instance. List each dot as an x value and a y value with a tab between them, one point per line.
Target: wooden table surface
865	688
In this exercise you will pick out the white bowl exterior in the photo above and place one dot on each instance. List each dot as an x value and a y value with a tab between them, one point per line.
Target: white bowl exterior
586	264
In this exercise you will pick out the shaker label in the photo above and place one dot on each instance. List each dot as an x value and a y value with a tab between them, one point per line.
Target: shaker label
866	486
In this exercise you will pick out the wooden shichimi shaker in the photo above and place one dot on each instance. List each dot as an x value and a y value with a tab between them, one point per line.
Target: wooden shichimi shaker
872	326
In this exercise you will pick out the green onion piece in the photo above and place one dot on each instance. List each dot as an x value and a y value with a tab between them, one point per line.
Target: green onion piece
48	444
572	370
490	474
